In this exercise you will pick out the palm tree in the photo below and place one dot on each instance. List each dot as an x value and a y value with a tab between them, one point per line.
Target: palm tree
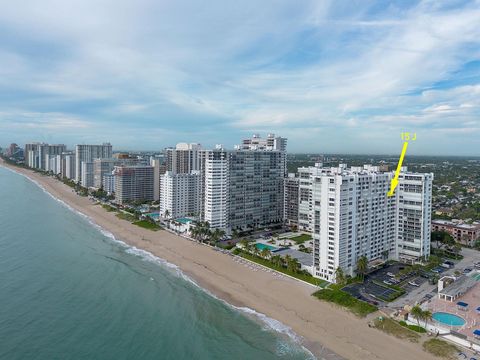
216	235
166	214
427	316
339	275
244	243
362	266
277	260
293	265
256	250
265	253
235	234
417	313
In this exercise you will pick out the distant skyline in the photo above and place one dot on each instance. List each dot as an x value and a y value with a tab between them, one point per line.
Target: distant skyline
331	76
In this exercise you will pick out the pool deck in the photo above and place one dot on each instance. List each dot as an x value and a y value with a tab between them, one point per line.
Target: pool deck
472	298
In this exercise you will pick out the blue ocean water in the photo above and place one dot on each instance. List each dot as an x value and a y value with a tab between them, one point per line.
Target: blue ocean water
69	291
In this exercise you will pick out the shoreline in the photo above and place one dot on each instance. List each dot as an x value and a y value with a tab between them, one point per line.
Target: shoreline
322	328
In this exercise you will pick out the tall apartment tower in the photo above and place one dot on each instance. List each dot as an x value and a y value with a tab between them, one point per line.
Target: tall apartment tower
216	187
414	215
183	159
180	194
87	153
354	217
68	165
36	154
271	142
291	199
133	183
255	188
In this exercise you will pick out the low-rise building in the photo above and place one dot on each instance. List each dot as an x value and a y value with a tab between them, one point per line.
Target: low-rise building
465	234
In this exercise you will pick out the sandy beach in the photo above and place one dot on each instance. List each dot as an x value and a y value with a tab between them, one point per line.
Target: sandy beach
326	329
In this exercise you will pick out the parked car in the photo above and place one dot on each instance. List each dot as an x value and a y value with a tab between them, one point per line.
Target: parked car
390	274
387	282
451	263
413	283
467	270
429	296
438	270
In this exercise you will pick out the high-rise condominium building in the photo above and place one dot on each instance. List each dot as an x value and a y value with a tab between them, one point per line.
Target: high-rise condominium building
87	153
87	174
36	154
243	188
272	142
291	199
180	194
159	168
352	216
105	166
255	188
183	159
216	188
133	183
68	165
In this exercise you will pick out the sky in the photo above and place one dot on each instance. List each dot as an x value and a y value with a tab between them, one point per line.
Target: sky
331	76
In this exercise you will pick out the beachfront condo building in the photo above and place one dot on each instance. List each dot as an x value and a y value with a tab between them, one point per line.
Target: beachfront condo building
291	199
159	168
133	183
87	153
243	188
108	183
105	166
53	163
180	194
87	174
183	159
36	154
68	165
216	187
352	216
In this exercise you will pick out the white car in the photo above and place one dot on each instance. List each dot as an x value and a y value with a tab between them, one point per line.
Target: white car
390	274
413	283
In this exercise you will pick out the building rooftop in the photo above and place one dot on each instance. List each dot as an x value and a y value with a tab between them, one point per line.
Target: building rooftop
459	286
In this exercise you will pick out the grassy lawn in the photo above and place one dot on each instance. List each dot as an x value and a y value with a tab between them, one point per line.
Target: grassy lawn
147	225
127	217
440	348
394	328
308	278
415	328
300	239
108	208
345	300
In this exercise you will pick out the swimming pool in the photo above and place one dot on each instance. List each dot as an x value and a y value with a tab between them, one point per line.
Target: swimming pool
184	220
448	319
261	246
154	216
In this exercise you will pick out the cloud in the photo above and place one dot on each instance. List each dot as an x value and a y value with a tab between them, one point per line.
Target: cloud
219	71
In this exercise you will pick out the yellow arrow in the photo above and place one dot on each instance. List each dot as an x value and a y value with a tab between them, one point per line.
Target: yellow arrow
394	181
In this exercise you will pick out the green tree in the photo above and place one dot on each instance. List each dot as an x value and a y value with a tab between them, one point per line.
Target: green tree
265	253
339	275
417	313
362	266
426	316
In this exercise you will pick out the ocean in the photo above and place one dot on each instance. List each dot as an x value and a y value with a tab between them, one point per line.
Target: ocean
69	290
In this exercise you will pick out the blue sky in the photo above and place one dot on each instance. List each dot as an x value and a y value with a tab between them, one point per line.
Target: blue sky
332	76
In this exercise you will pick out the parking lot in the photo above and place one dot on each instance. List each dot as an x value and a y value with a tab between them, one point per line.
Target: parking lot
379	285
